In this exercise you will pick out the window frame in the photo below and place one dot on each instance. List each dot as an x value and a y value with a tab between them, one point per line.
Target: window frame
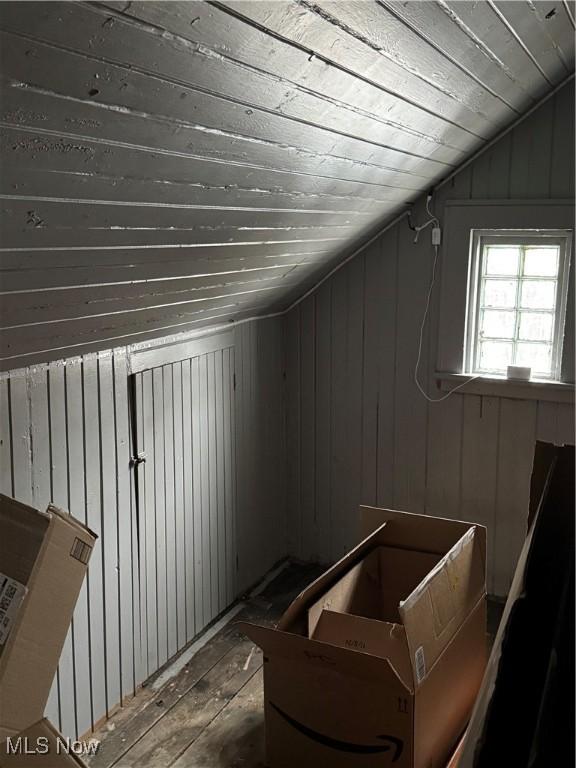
480	238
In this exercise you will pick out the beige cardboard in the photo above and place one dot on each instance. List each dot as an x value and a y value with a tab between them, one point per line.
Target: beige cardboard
314	717
335	698
40	745
435	610
439	718
422	532
48	553
382	639
374	587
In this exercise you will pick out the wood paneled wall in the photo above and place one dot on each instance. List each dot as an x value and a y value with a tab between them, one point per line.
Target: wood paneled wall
65	436
358	429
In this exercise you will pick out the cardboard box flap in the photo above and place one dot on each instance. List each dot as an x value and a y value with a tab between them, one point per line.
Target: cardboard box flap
437	607
72	521
276	643
422	532
382	639
297	609
353	593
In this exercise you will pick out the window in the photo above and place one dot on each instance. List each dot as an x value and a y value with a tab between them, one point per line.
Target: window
517	301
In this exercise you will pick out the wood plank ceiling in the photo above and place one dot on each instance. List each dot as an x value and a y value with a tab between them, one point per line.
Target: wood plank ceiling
173	165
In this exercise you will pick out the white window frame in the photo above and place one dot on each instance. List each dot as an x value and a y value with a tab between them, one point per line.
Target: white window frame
523	237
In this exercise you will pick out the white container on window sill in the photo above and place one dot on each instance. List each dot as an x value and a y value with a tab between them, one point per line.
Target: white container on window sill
518	373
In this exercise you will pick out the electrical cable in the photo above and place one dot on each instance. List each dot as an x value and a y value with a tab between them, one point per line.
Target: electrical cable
432	220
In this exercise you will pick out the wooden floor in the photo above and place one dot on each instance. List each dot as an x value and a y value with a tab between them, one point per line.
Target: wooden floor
210	714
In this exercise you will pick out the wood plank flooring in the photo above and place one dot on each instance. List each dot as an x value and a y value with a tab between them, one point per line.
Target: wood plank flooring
210	714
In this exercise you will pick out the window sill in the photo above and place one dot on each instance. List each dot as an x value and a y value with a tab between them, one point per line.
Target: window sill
554	391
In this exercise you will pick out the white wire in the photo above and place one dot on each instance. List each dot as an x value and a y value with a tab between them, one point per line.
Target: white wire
423	325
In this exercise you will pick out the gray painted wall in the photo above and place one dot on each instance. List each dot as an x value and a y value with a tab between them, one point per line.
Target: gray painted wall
211	518
358	429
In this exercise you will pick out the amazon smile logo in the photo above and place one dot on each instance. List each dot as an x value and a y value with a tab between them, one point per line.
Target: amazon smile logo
389	743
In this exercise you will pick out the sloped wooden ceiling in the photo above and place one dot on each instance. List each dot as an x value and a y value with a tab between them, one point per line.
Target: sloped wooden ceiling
172	165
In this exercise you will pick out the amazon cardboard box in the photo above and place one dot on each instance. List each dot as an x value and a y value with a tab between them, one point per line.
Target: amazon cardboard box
380	659
43	560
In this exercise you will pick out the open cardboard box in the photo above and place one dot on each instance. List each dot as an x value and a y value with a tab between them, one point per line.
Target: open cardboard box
43	560
382	656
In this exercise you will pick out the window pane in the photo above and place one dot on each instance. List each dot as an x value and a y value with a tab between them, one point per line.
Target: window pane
536	326
500	293
537	356
495	355
499	325
538	294
540	260
502	260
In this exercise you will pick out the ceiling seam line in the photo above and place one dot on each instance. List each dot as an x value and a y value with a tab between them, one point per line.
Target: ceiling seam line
389	8
223	97
344	27
340	67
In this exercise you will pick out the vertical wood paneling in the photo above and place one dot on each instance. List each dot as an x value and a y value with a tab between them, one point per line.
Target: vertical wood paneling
220	480
20	429
197	493
293	426
138	530
129	609
562	164
308	372
109	541
58	478
188	483
411	409
158	510
166	560
149	550
67	682
228	468
76	709
480	462
205	490
95	576
386	340
212	506
517	435
170	509
41	481
40	436
465	457
323	429
339	404
178	564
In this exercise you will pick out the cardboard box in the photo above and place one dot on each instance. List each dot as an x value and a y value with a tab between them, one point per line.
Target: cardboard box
43	560
382	656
